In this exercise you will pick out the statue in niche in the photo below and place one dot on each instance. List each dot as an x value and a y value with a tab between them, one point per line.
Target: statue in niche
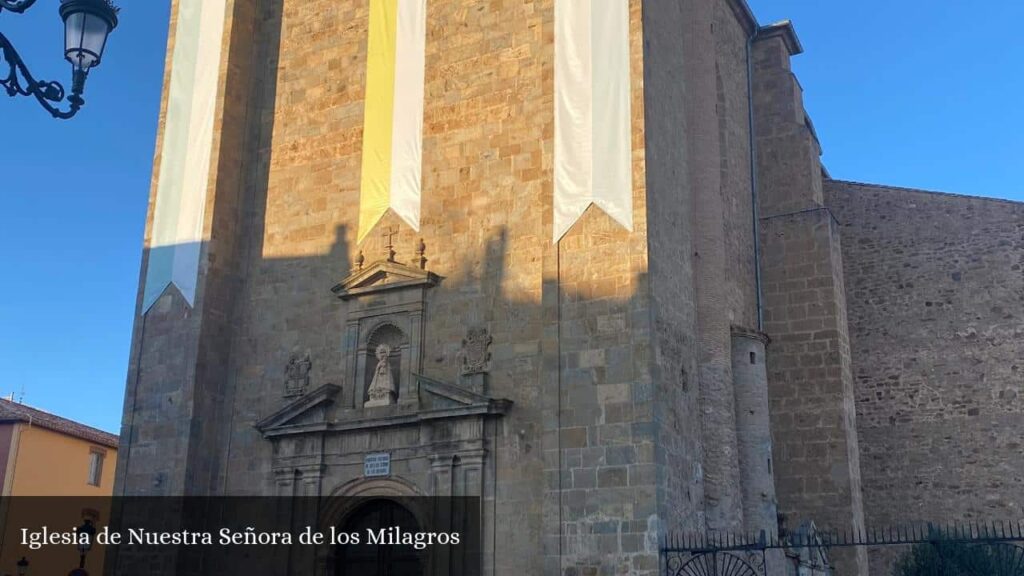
382	391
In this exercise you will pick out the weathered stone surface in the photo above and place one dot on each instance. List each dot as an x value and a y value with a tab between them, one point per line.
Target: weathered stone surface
934	292
600	391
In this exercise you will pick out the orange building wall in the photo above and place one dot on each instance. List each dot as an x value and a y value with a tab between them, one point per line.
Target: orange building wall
49	463
41	462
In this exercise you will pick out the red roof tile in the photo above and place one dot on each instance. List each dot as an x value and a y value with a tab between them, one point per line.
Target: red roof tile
15	412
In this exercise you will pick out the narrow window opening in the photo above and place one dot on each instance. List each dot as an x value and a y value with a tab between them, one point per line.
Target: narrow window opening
95	467
753	357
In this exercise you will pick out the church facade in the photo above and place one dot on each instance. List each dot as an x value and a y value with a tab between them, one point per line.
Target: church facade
578	259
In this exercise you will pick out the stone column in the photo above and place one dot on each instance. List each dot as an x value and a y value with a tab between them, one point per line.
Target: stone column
284	490
817	466
307	489
723	501
753	429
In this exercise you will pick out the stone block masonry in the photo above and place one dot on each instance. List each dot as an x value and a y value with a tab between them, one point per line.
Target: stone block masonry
935	300
623	383
817	469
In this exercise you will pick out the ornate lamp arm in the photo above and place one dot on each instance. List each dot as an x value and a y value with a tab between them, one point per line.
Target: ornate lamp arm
16	6
19	80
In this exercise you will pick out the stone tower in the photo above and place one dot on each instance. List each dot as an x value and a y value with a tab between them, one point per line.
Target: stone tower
376	236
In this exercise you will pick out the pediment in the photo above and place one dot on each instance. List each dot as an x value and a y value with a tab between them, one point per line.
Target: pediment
434	394
383	275
305	414
437	401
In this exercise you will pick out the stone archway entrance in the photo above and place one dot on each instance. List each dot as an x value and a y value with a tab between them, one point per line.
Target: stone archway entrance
373	560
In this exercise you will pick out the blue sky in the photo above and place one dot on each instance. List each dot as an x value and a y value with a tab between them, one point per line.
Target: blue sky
913	93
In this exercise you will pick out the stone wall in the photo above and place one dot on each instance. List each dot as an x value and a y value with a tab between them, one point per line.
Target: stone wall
174	393
571	324
935	289
637	406
817	469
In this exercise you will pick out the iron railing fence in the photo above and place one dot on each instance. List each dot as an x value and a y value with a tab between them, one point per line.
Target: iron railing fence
806	550
953	533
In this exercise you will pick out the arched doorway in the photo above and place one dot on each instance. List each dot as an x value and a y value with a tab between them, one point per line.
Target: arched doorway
373	560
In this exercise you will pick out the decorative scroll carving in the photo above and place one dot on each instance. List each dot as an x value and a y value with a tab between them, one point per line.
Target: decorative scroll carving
476	354
297	375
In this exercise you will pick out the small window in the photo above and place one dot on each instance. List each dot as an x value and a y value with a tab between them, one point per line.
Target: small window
96	466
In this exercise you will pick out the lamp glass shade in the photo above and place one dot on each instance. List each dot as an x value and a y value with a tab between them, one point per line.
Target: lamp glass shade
85	36
87	24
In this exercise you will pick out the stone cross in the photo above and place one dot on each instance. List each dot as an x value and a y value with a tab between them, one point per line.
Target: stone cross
389	233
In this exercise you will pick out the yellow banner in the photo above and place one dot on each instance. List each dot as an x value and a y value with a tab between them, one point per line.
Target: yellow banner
393	121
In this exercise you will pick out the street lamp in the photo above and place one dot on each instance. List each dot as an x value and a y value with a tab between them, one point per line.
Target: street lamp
87	24
22	566
84	545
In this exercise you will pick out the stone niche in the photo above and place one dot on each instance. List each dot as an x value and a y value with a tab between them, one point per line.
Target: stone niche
386	303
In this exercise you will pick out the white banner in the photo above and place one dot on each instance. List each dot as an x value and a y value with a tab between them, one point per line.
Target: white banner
593	131
177	233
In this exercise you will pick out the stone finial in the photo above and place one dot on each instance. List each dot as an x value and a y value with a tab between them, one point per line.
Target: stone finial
297	375
421	250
